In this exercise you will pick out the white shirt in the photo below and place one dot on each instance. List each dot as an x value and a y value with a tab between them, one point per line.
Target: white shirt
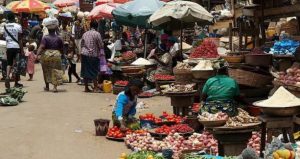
174	49
14	29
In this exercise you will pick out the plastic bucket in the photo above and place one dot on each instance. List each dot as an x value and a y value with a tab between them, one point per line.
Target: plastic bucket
107	86
101	126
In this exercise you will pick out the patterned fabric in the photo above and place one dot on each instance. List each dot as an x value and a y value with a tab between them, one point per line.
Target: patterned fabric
51	60
91	43
78	31
52	42
67	38
229	107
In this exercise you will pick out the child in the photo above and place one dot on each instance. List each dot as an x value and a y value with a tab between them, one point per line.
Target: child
31	57
72	68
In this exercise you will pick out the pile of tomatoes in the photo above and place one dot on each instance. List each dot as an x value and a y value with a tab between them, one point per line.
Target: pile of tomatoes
121	83
146	94
162	77
115	132
165	117
178	128
207	49
148	117
163	130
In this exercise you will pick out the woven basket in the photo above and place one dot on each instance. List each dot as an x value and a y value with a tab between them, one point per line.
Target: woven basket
234	58
118	89
183	76
131	69
248	78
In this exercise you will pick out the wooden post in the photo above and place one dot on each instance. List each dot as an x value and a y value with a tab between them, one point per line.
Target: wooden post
262	26
241	35
230	37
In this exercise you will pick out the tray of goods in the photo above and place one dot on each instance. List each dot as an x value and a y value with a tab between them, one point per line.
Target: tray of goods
161	77
281	103
121	83
179	89
182	129
183	73
203	70
115	134
208	49
241	121
290	78
146	95
213	120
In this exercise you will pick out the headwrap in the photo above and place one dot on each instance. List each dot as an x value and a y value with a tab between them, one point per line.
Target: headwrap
220	64
50	23
164	37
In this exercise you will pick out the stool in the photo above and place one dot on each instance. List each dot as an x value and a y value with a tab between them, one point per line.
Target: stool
285	124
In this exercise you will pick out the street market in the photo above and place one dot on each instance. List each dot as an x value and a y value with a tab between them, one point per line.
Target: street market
150	79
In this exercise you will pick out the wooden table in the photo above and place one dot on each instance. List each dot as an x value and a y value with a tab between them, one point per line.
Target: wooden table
182	102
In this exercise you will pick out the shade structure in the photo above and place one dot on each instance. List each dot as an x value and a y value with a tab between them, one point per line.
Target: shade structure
99	2
65	3
3	9
103	11
136	13
13	5
180	11
72	9
32	6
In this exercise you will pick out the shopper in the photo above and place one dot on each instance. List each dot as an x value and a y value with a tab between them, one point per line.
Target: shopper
31	57
14	45
77	32
72	68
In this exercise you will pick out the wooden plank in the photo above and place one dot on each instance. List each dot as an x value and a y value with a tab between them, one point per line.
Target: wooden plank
290	10
220	24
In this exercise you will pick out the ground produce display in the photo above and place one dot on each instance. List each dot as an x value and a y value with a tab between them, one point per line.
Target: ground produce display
213	117
241	119
115	132
254	141
141	155
290	77
207	49
8	101
178	128
121	83
179	88
165	117
16	93
161	77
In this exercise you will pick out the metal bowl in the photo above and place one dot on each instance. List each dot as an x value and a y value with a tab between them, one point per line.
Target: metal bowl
211	124
289	111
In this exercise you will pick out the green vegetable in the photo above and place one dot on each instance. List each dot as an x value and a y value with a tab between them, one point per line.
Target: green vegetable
8	101
16	93
144	155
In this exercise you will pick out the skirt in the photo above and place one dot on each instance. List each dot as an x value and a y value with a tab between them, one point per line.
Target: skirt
89	67
229	107
51	65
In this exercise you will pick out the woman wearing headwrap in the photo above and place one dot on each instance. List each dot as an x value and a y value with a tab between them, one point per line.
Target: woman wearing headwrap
50	50
221	92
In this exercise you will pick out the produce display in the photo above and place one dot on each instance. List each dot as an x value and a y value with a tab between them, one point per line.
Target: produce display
281	98
207	49
165	117
178	128
141	155
141	62
254	141
128	55
121	83
163	130
115	132
173	88
241	119
213	117
196	108
183	66
291	77
8	101
285	47
278	150
203	65
139	142
145	95
161	77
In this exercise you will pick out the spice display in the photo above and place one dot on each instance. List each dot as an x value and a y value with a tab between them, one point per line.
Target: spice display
141	62
242	118
213	117
207	49
121	83
291	77
285	47
281	98
161	77
183	66
203	65
179	88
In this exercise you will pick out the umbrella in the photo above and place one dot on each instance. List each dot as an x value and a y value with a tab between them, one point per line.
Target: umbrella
72	9
65	3
136	13
12	5
32	6
180	12
99	2
103	11
3	9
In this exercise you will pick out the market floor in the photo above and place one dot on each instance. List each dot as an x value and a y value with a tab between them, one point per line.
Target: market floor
60	125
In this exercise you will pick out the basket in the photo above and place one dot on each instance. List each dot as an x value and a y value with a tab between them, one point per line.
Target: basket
131	69
211	124
234	58
264	60
101	126
117	89
183	76
203	74
248	78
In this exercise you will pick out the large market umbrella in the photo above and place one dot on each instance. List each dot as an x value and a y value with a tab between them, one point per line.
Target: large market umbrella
103	11
136	13
12	5
99	2
32	6
72	9
65	3
3	9
180	12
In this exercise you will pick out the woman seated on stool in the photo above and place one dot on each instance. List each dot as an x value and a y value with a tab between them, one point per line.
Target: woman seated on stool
221	93
125	107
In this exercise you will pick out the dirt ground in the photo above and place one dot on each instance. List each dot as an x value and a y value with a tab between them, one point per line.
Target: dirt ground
60	125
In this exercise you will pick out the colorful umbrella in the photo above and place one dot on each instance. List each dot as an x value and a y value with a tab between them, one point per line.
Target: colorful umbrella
12	5
103	11
32	6
99	2
3	10
72	9
65	3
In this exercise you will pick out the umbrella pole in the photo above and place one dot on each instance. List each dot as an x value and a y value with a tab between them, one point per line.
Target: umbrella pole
181	36
145	46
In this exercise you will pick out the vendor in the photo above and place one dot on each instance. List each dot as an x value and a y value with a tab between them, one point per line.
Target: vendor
125	107
221	93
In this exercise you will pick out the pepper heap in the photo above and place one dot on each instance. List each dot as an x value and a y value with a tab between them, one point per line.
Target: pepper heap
207	49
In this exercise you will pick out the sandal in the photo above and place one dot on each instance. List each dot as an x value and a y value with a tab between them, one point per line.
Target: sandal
18	85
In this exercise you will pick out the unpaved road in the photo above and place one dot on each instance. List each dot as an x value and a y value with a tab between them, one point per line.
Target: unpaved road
60	125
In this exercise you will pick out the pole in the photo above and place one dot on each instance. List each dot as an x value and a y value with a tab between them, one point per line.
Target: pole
145	46
181	40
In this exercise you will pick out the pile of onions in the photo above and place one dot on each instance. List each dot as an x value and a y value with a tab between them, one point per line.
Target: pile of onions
254	142
291	77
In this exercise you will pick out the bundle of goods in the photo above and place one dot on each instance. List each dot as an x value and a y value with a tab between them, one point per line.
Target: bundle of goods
183	73
142	62
121	83
291	77
203	70
208	49
178	128
243	118
278	150
129	55
258	57
281	103
254	141
161	77
285	47
141	155
180	88
13	98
